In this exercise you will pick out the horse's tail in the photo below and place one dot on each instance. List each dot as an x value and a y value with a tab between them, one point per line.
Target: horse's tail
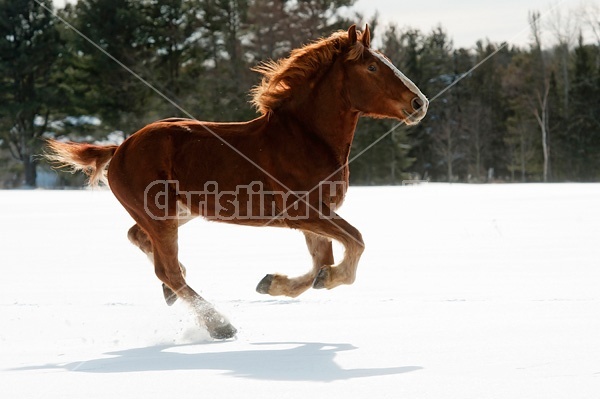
88	158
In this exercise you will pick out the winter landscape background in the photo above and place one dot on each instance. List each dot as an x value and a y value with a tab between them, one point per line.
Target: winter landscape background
516	101
464	291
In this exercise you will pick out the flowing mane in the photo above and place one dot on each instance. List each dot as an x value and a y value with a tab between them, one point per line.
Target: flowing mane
281	77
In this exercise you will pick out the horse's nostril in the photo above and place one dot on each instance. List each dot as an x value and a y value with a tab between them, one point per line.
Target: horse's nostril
417	103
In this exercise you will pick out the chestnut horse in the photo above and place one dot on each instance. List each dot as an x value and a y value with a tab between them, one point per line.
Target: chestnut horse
287	168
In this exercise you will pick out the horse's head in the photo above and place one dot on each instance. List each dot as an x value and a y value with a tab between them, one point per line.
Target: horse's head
376	87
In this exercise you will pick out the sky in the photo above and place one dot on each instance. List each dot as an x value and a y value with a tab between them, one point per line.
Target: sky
466	21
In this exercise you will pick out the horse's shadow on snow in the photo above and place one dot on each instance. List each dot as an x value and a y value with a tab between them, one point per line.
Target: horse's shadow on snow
284	361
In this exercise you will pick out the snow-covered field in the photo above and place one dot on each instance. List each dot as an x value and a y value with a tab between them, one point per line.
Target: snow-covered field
464	291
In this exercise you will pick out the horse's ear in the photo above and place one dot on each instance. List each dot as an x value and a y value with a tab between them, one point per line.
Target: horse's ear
366	37
352	34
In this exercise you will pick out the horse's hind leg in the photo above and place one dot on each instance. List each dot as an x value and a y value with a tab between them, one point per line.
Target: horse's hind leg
162	251
322	254
140	239
163	235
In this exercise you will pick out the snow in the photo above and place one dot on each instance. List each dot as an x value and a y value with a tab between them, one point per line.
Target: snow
464	291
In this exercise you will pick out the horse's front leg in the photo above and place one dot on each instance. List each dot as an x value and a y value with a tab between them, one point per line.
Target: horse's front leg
330	276
277	284
319	230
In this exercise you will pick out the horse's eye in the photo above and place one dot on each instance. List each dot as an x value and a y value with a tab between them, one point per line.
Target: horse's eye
372	68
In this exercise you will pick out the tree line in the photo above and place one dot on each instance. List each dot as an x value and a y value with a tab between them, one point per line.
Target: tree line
98	70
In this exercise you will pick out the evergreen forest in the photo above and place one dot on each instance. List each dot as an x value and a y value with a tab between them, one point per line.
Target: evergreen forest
98	70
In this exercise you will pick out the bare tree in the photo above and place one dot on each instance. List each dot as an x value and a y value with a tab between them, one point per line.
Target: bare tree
590	15
520	148
542	89
477	126
564	29
541	115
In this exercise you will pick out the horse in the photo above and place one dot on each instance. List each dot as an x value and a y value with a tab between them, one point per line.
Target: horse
286	168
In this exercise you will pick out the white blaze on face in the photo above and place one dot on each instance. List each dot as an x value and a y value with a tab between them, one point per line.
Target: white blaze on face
407	82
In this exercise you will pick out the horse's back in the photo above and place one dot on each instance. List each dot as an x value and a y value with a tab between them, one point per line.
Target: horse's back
191	156
188	151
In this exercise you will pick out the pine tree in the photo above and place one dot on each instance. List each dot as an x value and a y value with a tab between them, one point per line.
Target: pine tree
119	28
29	50
583	139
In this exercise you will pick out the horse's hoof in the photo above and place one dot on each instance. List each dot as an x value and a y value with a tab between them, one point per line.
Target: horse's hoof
170	296
215	323
223	332
264	284
322	276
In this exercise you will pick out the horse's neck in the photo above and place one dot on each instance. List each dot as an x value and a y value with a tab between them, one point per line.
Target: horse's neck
328	115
